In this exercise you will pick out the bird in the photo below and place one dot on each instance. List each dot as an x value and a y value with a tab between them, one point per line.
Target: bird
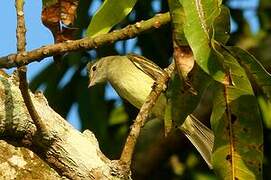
132	76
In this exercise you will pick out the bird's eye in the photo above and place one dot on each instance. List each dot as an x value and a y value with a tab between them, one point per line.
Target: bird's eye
94	68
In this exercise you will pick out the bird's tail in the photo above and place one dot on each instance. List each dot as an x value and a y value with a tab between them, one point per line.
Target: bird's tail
200	136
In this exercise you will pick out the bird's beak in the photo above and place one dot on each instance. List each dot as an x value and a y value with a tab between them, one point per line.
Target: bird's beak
91	83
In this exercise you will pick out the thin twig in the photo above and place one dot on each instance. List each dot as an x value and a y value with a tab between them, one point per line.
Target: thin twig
20	33
142	116
23	85
128	32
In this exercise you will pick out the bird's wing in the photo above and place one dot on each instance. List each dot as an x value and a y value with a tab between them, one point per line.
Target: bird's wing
145	65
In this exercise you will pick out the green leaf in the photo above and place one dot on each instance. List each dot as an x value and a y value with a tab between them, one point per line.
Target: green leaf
178	20
265	107
222	26
47	3
254	70
260	77
109	14
221	23
236	122
168	122
199	31
183	101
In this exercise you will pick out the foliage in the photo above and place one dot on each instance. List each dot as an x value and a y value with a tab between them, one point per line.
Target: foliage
232	100
107	16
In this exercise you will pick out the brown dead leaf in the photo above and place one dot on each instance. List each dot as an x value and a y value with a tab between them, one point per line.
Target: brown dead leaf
184	61
59	17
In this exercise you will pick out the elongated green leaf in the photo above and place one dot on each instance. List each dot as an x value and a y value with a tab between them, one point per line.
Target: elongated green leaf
221	23
178	20
254	69
260	77
199	31
236	122
110	13
168	122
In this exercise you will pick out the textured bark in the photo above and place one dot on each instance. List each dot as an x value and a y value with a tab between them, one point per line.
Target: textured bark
71	154
21	163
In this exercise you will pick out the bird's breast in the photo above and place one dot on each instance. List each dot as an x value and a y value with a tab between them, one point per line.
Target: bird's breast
134	87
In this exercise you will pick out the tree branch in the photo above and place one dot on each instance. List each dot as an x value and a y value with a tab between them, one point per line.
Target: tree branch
21	42
20	31
129	31
142	116
22	163
72	154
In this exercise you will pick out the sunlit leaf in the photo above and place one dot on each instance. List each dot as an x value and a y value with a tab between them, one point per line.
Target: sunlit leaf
109	14
254	69
265	107
200	16
261	79
236	122
221	24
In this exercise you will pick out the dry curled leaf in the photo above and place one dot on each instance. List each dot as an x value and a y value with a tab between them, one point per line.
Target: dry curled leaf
59	16
184	61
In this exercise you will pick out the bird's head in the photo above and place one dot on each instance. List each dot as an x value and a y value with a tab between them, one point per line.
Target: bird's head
97	71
